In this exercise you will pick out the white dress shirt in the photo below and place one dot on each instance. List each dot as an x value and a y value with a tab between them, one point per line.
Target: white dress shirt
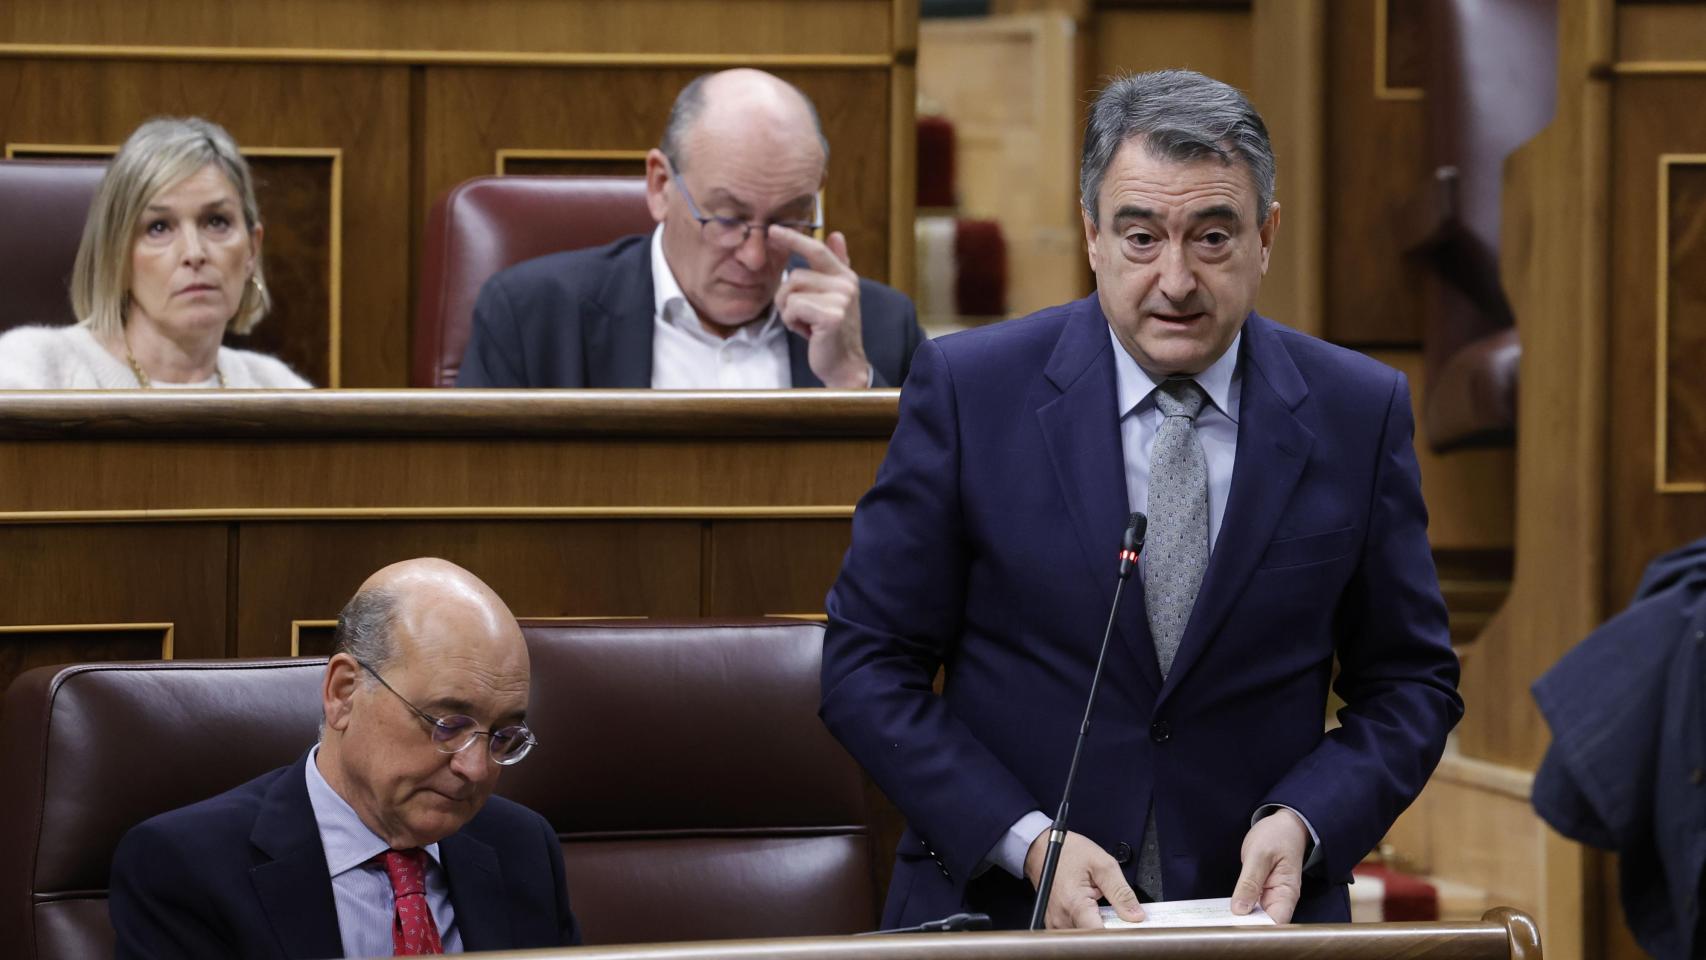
1140	419
686	356
362	892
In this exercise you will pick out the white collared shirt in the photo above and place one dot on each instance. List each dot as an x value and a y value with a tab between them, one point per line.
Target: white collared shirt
1217	426
362	892
686	356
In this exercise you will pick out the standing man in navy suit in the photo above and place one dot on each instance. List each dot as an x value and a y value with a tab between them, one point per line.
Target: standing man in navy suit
731	291
383	839
1287	530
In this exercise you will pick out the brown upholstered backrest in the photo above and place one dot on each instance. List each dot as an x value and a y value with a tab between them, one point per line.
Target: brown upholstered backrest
92	750
696	792
488	223
43	204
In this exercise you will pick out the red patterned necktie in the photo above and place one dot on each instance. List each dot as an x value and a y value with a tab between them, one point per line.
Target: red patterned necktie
413	931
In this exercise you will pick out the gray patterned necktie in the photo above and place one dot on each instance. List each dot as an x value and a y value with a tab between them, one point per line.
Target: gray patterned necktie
1175	553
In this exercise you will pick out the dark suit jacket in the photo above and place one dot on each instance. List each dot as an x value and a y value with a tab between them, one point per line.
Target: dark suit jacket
244	875
584	319
1627	708
989	544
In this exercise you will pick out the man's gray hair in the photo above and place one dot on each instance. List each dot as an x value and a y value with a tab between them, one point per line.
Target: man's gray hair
365	627
1180	116
690	103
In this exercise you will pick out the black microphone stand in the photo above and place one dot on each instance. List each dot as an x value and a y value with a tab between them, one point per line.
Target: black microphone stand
1131	545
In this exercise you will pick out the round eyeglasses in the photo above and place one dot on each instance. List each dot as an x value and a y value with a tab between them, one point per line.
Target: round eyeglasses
456	733
729	233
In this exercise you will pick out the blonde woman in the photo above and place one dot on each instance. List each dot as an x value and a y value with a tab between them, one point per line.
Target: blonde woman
170	259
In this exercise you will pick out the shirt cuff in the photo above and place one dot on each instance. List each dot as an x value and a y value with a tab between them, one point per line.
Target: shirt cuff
1312	856
871	381
1009	852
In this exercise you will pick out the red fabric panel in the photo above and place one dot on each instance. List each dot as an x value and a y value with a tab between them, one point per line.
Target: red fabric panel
935	162
1407	897
980	259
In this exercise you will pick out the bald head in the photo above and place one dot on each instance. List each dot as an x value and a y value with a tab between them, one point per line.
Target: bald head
425	603
741	105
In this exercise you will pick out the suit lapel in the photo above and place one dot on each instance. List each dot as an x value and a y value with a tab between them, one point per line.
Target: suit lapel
1273	448
1082	432
618	324
476	893
799	362
295	886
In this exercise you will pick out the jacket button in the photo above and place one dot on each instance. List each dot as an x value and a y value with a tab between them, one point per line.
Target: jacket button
1122	852
1698	777
1160	732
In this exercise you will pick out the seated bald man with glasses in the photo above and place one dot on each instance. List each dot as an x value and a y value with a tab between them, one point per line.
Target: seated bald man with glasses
383	839
732	290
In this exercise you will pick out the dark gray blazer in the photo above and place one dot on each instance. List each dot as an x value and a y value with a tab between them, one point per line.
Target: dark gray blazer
584	319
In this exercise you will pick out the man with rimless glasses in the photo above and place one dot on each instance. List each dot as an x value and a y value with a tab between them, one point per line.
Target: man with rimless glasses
732	290
383	839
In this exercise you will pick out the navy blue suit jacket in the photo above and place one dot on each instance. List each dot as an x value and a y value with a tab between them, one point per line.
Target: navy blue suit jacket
244	875
1627	708
585	319
989	546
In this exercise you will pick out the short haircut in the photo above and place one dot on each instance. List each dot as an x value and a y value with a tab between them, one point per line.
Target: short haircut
690	103
1181	116
159	154
366	626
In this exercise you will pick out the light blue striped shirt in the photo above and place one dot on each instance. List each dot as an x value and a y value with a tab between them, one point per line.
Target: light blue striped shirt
361	891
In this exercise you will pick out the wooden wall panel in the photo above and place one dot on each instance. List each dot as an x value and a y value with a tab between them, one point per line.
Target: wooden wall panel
243	479
773	567
306	571
111	574
1008	85
641	27
269	108
1375	162
29	646
1471	494
468	114
1654	506
1681	337
1215	41
1660	32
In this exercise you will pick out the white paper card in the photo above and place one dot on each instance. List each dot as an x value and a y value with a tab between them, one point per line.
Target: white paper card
1189	913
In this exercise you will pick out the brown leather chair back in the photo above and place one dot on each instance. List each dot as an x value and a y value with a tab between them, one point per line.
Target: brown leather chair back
488	223
697	794
93	750
684	767
43	204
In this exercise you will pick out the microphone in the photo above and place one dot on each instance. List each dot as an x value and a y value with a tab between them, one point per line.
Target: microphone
1130	546
950	924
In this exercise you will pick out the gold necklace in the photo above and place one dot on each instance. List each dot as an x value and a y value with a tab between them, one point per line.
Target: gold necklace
144	383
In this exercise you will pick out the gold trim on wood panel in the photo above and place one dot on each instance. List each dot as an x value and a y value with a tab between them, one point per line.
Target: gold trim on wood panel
467	58
296	632
810	512
1381	90
167	630
814	617
1661	351
335	266
507	154
1657	68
